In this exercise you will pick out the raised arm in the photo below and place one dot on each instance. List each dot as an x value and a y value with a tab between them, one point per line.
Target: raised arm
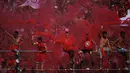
7	33
117	40
100	32
33	41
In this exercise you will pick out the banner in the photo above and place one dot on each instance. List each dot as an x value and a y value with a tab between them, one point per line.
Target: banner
35	4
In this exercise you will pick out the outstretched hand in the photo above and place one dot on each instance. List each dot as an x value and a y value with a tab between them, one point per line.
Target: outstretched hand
101	27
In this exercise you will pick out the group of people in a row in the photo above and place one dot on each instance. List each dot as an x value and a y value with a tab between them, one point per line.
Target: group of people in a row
69	47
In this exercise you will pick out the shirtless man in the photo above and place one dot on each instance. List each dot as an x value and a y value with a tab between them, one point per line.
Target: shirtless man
15	47
17	40
40	55
120	45
104	47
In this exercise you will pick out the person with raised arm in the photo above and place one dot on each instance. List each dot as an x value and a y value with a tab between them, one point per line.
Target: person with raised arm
41	51
17	40
104	48
88	47
120	45
68	45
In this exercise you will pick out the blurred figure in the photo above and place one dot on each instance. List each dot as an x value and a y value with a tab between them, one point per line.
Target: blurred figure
88	47
87	14
40	55
17	40
104	49
15	48
120	45
68	46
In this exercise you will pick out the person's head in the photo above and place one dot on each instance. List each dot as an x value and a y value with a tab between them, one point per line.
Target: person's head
16	34
104	34
122	34
40	39
66	32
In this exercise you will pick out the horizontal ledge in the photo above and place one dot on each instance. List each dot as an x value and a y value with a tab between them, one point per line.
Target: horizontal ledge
71	69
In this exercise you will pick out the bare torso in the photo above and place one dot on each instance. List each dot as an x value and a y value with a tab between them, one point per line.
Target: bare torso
120	42
103	42
17	41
